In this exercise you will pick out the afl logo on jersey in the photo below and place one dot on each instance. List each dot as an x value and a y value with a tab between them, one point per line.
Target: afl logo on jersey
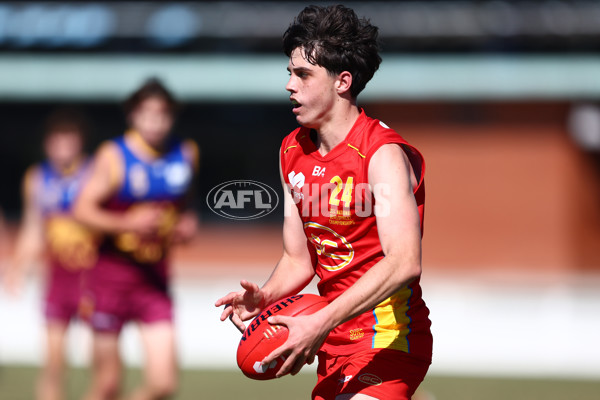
333	250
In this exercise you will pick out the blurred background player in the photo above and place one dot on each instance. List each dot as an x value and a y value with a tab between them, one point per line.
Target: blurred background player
137	196
373	339
49	190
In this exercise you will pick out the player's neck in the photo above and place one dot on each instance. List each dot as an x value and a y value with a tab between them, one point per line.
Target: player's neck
335	129
140	146
69	167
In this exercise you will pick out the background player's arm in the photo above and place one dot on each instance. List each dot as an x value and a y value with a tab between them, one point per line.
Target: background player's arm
398	224
30	240
187	225
105	179
293	271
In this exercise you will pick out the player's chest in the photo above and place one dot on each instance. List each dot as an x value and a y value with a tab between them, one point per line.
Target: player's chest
334	191
159	178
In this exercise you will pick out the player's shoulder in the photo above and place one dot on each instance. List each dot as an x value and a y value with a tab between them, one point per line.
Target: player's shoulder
292	140
377	130
33	174
108	147
109	156
191	151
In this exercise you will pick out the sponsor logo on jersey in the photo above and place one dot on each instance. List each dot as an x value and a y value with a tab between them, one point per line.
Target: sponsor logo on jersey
242	200
318	171
296	180
370	379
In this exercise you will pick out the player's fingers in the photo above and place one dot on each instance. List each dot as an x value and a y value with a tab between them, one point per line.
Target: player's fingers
300	361
310	359
227	299
239	324
279	320
227	312
281	351
292	364
249	286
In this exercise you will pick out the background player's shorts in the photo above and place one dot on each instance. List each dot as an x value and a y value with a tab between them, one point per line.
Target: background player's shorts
63	292
112	298
381	373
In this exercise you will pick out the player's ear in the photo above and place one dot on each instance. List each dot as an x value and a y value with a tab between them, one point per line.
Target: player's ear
343	82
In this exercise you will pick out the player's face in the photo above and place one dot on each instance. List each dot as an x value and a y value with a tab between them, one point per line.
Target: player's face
63	148
153	120
312	91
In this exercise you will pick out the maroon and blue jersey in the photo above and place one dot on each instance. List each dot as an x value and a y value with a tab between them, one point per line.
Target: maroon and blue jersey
69	244
160	182
57	190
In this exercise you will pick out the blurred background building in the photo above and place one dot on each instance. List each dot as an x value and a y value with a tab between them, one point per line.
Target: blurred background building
502	98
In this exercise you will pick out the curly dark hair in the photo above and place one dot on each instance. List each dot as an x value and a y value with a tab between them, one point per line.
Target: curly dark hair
334	38
152	87
66	118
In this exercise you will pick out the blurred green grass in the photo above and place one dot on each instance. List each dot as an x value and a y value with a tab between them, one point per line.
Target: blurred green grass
17	383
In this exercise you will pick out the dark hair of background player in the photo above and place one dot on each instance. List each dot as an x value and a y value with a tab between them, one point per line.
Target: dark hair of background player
66	119
153	87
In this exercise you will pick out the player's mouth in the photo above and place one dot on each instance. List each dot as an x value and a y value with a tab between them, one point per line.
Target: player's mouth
295	105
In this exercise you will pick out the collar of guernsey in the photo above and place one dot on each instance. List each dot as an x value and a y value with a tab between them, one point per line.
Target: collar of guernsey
164	177
59	189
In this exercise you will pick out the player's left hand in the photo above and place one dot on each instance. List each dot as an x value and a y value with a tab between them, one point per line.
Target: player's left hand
185	228
306	336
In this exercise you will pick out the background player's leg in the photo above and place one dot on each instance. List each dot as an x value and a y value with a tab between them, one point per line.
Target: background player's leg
50	384
160	375
106	368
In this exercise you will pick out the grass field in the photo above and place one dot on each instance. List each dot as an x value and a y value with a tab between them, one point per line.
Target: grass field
16	383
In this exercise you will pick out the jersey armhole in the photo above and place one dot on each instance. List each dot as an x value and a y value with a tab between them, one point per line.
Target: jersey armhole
414	157
191	153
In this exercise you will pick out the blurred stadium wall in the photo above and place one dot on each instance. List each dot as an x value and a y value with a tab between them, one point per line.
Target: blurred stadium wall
502	97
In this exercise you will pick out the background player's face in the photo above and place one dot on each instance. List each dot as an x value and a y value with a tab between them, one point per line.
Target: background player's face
312	91
63	148
152	119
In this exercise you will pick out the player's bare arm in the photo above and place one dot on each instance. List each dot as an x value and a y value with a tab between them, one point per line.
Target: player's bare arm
399	233
187	224
30	238
105	178
293	272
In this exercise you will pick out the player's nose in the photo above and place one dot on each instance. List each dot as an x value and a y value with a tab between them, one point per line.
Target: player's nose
290	86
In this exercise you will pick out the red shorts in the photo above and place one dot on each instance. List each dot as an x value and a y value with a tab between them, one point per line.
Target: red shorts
63	293
380	373
116	292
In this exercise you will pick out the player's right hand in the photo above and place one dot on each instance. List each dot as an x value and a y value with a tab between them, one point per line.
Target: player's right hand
243	305
144	221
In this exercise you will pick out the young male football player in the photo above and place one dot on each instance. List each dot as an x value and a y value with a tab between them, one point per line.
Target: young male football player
136	196
48	226
354	214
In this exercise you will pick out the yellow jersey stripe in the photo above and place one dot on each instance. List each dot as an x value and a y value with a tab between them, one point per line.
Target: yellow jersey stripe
357	150
391	322
289	147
